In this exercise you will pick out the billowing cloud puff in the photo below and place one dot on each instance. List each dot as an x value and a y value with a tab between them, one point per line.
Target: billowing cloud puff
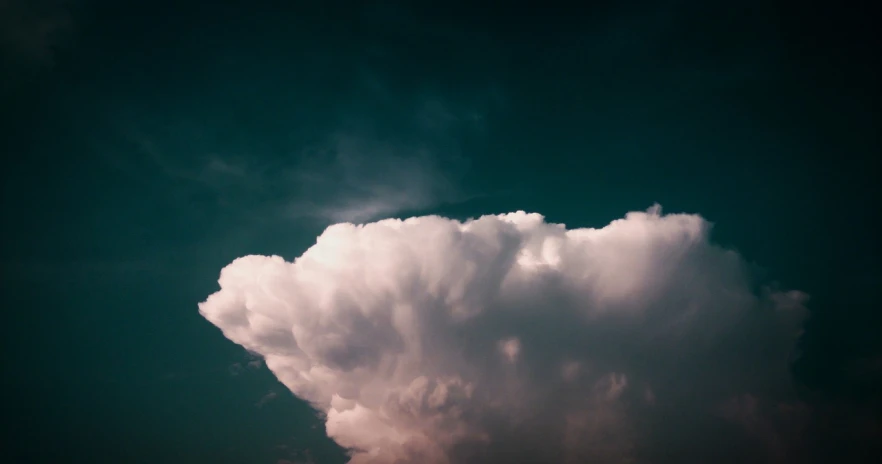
509	339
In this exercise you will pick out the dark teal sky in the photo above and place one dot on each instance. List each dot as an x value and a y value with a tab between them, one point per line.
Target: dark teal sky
148	146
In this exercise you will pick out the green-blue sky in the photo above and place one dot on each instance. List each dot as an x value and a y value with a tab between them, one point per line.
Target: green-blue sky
146	146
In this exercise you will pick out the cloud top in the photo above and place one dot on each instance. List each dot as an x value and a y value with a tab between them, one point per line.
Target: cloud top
509	339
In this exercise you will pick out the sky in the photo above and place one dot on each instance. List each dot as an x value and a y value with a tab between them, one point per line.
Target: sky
641	232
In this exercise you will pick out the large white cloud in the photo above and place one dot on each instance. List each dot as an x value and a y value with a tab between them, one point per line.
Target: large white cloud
509	339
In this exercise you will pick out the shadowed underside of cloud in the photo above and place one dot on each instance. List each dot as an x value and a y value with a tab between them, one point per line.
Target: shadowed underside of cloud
509	339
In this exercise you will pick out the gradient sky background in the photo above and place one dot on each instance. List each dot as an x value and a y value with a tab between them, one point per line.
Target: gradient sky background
148	145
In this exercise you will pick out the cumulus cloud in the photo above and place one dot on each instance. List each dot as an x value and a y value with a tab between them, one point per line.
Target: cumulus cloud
510	339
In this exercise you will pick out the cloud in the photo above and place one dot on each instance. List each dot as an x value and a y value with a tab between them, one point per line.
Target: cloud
510	339
357	170
235	369
365	178
266	399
